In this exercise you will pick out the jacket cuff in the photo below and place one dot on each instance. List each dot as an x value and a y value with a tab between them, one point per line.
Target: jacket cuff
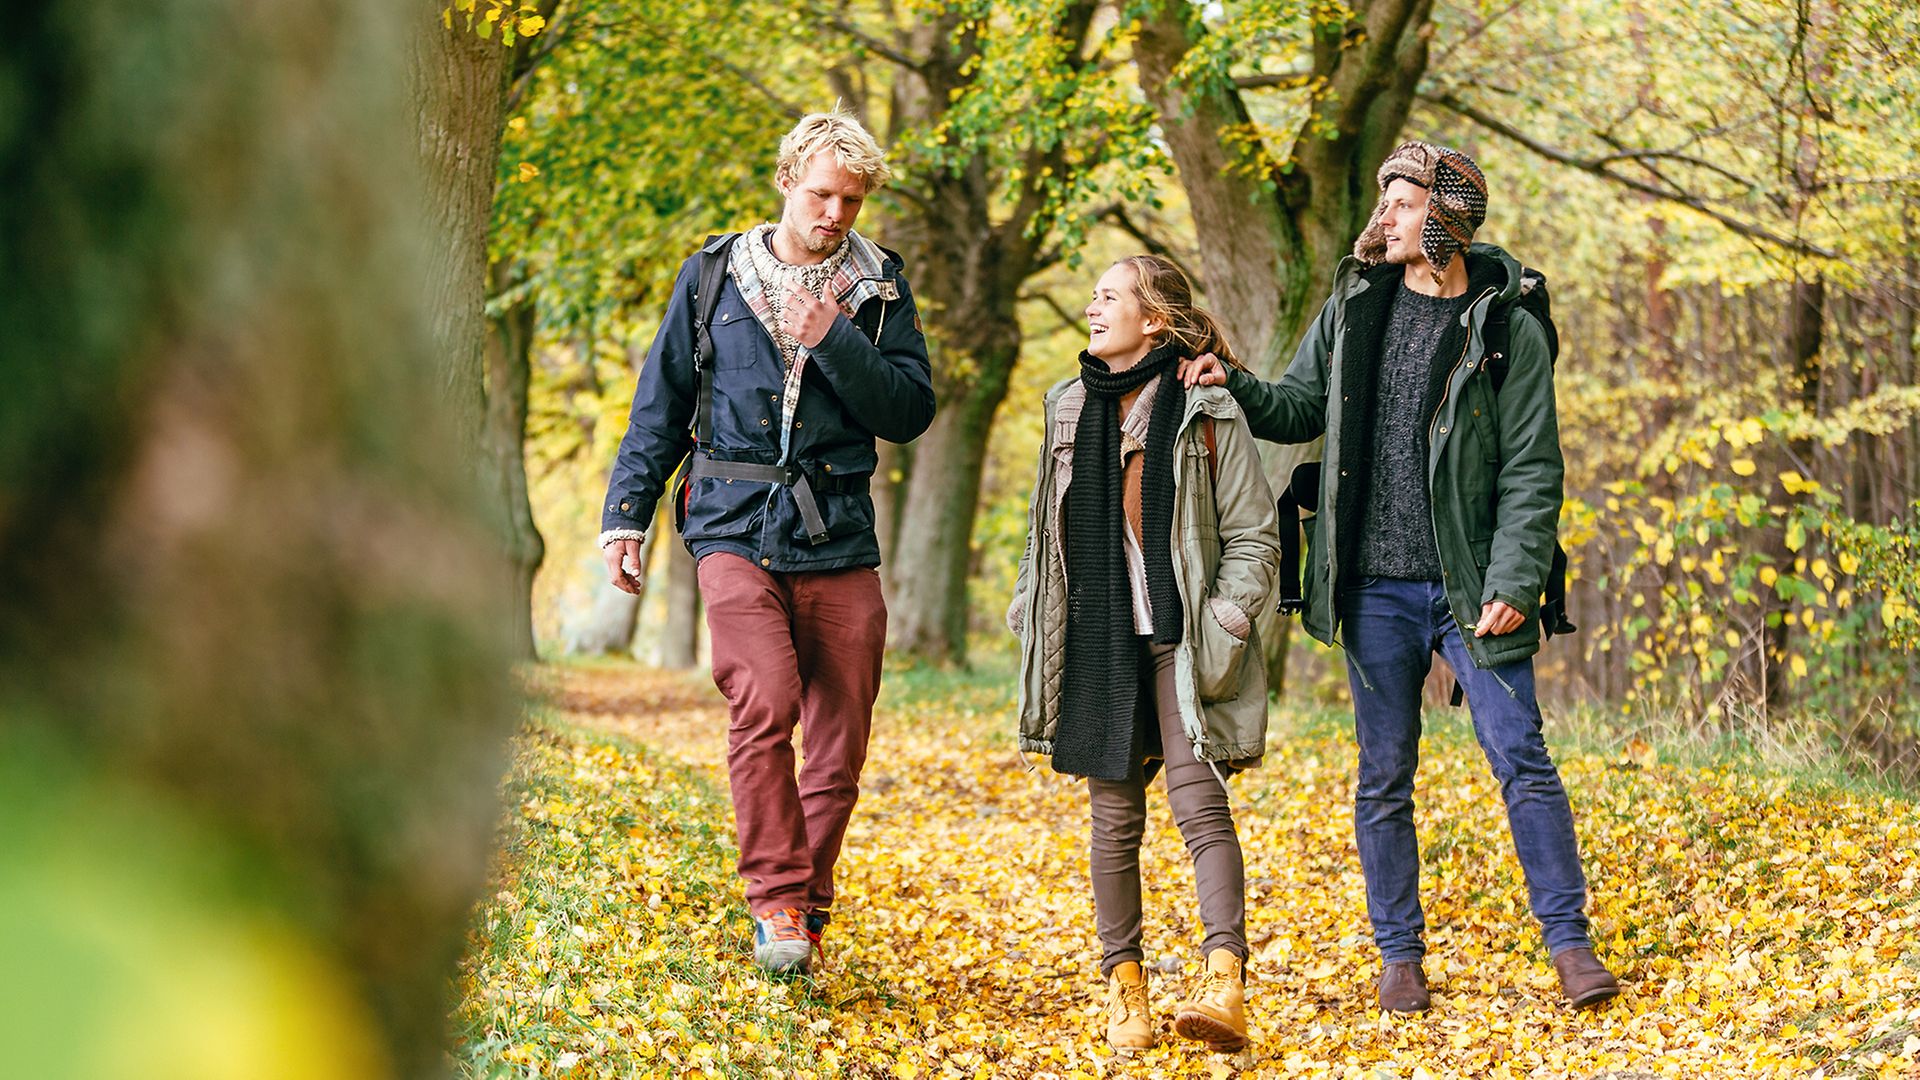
625	512
610	536
1520	604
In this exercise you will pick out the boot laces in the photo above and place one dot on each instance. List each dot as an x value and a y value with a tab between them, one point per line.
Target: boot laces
1214	983
1131	1000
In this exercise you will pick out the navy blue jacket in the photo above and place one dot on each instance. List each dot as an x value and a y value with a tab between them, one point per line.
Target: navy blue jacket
854	389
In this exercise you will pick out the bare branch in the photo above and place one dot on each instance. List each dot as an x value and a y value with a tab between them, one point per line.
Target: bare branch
1066	317
1120	219
1444	63
787	108
1751	230
868	42
1284	80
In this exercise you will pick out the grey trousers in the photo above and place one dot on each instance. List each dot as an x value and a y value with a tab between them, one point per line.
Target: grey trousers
1200	808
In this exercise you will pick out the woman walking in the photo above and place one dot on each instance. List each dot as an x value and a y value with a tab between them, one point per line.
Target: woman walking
1151	547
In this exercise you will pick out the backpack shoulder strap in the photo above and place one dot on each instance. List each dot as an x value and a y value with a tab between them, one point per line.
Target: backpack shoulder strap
706	297
1497	335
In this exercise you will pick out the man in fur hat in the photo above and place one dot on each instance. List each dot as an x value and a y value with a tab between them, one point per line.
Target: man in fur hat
1438	504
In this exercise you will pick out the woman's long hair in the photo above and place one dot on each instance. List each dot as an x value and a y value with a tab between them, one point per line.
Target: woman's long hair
1165	294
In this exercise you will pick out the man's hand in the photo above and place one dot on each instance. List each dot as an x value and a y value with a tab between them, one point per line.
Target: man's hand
807	318
1498	617
623	565
1203	370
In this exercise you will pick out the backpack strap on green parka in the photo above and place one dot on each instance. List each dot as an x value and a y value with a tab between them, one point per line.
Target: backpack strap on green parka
1498	337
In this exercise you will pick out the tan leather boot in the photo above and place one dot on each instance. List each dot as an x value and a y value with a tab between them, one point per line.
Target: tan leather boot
1216	1014
1128	1026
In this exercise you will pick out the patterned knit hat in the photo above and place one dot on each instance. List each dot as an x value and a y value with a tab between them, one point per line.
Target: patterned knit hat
1456	207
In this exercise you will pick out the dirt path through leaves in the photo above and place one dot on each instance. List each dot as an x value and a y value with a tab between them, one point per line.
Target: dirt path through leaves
1763	930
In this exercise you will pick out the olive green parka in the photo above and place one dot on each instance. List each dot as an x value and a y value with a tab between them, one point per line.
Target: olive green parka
1493	461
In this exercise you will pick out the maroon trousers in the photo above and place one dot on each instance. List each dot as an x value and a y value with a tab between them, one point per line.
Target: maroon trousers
793	649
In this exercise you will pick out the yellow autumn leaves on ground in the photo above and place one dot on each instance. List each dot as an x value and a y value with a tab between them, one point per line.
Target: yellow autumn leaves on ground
1763	928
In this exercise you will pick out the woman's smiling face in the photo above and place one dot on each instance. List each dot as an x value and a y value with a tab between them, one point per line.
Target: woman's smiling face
1118	331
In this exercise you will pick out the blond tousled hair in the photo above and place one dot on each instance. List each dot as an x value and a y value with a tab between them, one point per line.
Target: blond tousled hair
1165	294
840	133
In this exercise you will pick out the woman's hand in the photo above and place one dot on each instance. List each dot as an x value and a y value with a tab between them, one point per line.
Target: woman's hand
1203	370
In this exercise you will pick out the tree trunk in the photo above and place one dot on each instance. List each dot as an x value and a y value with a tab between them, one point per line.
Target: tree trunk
459	92
968	251
609	625
254	701
1805	322
679	645
509	367
890	475
930	614
1269	244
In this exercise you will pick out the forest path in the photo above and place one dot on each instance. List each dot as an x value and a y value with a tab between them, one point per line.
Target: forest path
1762	928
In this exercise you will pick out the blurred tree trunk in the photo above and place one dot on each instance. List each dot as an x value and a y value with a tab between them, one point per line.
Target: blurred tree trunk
1269	242
610	623
242	574
680	635
509	367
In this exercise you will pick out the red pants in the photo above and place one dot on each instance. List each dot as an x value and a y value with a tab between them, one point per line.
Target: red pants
793	649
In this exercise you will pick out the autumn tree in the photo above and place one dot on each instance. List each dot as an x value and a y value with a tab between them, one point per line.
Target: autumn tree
1769	147
253	693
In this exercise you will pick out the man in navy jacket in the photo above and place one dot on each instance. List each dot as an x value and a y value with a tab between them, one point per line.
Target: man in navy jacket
811	349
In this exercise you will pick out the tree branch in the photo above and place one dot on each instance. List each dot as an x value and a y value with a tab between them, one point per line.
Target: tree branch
1117	214
1285	80
527	57
1693	202
1066	317
872	44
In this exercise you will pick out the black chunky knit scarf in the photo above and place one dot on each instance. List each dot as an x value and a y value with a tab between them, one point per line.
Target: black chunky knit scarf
1100	733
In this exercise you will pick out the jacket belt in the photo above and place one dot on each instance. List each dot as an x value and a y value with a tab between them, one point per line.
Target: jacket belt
804	486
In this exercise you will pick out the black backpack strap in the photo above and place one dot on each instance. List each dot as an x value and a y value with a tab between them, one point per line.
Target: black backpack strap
706	297
1553	611
1498	336
1303	490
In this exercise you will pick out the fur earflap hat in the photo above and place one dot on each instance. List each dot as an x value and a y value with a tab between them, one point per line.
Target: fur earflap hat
1455	208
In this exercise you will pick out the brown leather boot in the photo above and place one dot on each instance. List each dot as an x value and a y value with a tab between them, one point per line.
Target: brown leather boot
1128	1026
1216	1014
1584	979
1403	987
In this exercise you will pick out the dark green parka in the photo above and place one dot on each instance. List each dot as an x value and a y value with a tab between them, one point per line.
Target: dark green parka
1493	460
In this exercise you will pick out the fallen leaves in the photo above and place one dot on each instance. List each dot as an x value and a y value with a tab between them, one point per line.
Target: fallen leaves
1763	929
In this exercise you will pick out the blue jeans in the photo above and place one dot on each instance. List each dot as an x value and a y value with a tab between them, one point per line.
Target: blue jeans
1392	630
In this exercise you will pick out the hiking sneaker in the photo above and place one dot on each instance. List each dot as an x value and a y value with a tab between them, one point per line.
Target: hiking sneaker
782	943
816	926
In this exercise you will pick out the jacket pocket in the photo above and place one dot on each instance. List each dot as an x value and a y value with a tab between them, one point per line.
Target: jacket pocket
844	513
735	329
1482	552
718	509
1220	658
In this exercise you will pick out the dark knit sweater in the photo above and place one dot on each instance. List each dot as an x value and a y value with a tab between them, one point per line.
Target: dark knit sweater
1396	533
